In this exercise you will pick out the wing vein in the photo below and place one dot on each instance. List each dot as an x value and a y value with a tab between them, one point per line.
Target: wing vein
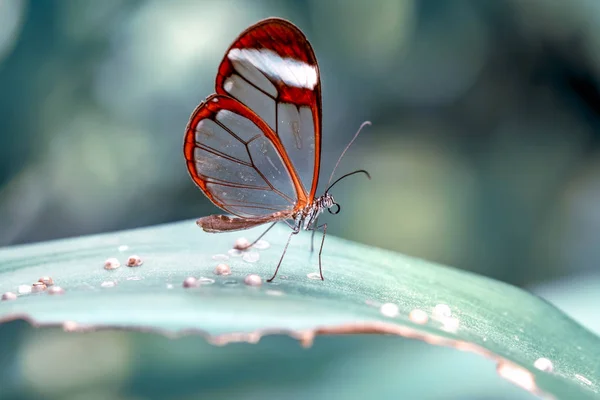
256	87
269	182
216	152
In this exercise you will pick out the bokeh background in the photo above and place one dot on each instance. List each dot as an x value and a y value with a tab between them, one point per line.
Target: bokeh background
484	148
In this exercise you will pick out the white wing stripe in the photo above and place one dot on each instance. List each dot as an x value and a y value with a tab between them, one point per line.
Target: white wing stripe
288	70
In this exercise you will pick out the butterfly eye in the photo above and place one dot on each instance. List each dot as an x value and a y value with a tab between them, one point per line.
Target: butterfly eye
337	209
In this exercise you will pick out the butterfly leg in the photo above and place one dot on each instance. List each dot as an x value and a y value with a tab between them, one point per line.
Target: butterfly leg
261	236
294	232
312	236
324	227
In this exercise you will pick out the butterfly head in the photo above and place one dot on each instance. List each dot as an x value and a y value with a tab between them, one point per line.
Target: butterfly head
327	201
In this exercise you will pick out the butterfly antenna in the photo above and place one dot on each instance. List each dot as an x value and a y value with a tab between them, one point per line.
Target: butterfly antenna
361	171
344	152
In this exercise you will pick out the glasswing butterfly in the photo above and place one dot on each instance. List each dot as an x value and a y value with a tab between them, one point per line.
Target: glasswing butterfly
254	146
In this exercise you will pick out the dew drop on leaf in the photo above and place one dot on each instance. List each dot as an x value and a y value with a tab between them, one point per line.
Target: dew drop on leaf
543	364
54	290
389	310
253	280
134	261
111	263
9	296
190	282
241	244
222	269
418	316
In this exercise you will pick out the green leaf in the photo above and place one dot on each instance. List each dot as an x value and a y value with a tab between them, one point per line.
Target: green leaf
489	318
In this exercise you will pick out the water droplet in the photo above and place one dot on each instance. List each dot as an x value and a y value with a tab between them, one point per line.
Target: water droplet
234	253
56	290
9	296
134	278
450	324
389	310
111	263
206	281
253	280
314	275
190	282
441	311
134	261
230	283
220	257
241	244
108	284
24	289
251	256
46	280
262	245
222	269
418	316
38	287
583	379
517	375
123	247
274	292
543	364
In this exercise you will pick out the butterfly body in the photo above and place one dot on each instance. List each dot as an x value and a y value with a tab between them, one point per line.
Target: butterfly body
309	214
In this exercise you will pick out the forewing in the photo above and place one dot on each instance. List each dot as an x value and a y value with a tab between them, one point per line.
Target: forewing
232	157
271	68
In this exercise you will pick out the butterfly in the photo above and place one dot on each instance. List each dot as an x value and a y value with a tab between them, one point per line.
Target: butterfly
254	146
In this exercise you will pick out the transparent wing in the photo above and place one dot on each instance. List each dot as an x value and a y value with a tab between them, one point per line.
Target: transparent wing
272	69
235	158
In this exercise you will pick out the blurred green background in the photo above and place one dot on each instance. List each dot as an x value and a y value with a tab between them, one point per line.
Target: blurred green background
483	150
